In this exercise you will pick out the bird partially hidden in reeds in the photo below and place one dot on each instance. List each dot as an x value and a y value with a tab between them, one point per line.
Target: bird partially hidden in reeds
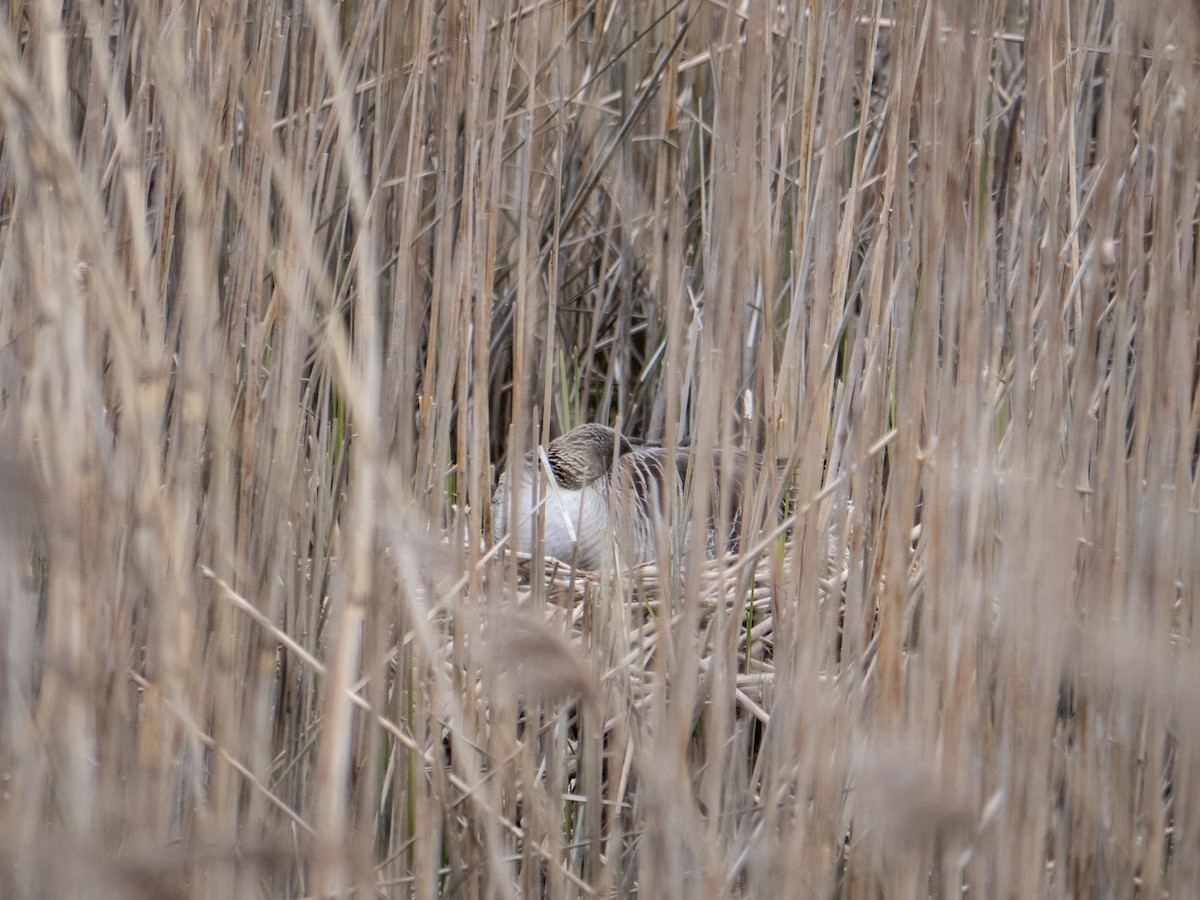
601	492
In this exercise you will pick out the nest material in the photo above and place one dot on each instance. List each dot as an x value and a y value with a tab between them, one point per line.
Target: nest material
617	621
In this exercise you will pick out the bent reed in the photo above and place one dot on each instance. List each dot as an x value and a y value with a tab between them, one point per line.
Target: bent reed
283	288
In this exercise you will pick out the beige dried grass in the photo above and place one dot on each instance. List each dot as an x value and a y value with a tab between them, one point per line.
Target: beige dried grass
280	285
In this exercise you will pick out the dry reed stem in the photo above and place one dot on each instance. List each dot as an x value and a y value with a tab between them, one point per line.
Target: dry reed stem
280	287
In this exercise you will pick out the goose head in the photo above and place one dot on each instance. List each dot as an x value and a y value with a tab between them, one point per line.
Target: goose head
584	455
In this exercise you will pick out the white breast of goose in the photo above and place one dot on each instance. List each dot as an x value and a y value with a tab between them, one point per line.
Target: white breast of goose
577	519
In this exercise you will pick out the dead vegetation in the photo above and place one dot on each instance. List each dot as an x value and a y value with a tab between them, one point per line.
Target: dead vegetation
281	283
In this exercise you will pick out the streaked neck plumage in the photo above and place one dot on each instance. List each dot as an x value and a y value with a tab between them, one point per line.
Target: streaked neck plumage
590	498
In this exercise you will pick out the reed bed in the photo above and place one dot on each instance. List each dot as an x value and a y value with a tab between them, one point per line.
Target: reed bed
284	284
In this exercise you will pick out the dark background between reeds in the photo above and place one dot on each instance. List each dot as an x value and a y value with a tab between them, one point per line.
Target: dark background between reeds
283	283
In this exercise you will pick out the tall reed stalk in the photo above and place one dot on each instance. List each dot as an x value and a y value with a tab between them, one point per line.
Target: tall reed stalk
283	284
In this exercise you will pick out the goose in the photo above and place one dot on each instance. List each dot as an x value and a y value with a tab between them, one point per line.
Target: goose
600	487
